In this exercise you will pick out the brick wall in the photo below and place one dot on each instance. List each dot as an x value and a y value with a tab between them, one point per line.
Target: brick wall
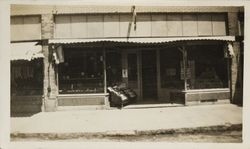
50	81
47	23
236	66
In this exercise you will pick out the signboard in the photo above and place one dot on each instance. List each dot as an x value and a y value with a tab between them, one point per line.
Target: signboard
124	73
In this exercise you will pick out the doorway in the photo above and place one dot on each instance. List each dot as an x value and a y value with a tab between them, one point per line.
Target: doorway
149	75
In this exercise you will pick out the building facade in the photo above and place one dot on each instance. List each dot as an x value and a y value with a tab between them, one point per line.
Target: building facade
187	55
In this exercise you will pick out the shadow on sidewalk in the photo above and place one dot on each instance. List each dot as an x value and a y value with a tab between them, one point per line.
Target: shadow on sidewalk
24	114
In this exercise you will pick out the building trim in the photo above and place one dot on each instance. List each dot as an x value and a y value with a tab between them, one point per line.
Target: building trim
76	9
139	40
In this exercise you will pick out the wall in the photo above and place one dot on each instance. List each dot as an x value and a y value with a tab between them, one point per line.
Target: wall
104	7
147	25
236	65
50	81
25	28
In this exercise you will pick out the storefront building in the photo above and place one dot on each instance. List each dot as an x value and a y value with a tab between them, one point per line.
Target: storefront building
186	55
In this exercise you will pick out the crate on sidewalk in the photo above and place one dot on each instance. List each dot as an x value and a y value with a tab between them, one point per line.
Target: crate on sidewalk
120	96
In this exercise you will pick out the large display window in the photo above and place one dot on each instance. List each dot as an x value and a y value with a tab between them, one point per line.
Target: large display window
207	67
81	71
27	77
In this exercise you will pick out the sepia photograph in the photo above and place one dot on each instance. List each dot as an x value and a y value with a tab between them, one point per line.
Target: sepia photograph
126	73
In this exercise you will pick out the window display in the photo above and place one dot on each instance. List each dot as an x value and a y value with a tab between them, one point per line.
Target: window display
209	68
27	77
82	71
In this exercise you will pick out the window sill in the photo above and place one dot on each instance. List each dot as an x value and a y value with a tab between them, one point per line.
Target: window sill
204	90
78	95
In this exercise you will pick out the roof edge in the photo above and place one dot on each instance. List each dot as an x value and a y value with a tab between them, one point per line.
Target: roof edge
76	9
142	40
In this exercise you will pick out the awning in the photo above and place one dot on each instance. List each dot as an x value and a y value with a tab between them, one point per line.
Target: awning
140	40
26	51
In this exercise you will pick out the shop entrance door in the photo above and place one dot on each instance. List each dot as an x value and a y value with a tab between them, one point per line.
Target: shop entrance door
149	79
133	72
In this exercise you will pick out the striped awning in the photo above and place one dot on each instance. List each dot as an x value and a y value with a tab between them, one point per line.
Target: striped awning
26	51
140	40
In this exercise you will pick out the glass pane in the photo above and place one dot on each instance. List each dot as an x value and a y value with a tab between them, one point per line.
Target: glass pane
113	67
207	67
170	66
27	77
82	71
132	70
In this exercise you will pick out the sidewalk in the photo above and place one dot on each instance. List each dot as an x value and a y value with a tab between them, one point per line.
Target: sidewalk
63	124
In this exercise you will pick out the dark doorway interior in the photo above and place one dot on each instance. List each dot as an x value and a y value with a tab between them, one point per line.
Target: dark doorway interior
149	81
113	67
26	87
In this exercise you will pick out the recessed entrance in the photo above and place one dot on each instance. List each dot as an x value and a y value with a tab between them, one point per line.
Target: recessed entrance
149	73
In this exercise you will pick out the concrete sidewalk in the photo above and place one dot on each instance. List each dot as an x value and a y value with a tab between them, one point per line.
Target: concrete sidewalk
127	121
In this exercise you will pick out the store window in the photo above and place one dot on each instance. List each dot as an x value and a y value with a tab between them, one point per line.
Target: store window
207	67
82	71
27	77
114	67
170	66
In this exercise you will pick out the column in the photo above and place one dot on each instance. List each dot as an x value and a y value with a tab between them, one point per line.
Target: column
158	63
236	81
106	98
50	79
184	71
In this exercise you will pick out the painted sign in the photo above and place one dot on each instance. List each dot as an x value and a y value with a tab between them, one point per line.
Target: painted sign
124	73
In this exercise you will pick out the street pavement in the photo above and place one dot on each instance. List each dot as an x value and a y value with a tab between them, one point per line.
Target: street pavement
126	121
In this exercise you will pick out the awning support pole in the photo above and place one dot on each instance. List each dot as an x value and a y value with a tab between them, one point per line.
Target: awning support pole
104	69
184	62
185	67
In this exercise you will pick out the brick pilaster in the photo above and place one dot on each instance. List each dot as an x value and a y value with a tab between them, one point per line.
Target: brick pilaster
236	67
50	80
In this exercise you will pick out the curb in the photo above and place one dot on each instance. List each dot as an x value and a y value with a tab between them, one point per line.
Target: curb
129	133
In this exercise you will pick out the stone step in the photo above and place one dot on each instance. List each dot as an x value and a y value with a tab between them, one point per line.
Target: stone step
87	107
160	105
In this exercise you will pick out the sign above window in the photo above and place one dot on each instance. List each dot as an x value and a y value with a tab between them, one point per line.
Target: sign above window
147	25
